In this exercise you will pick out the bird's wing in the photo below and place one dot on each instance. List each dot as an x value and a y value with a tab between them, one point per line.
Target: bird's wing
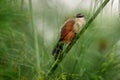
67	27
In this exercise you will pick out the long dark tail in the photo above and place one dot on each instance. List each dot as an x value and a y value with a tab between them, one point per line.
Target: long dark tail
58	49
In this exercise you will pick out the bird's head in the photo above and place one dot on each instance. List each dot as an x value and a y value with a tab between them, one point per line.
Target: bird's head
80	18
79	15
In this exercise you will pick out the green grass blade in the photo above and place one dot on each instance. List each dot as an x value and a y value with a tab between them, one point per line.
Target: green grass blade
35	37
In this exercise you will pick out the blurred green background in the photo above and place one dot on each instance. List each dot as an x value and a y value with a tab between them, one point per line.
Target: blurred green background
29	30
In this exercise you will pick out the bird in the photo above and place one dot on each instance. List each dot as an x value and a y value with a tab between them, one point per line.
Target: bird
68	32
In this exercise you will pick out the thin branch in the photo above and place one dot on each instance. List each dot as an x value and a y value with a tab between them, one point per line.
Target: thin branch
56	63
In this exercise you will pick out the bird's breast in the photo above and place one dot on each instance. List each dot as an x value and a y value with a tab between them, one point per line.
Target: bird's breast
79	23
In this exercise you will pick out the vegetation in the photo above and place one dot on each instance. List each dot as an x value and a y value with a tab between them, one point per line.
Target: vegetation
29	32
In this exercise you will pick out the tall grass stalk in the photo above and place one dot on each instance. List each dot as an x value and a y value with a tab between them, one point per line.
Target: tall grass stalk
90	8
112	2
22	4
119	8
95	5
35	38
56	63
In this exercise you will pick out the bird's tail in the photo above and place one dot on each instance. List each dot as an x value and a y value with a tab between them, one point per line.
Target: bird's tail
58	49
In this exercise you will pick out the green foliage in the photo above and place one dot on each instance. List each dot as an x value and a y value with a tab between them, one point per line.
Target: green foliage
14	41
27	38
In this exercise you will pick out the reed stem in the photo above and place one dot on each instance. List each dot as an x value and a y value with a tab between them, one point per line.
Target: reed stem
35	38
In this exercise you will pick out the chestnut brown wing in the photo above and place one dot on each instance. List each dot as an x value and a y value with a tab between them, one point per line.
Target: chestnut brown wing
67	27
